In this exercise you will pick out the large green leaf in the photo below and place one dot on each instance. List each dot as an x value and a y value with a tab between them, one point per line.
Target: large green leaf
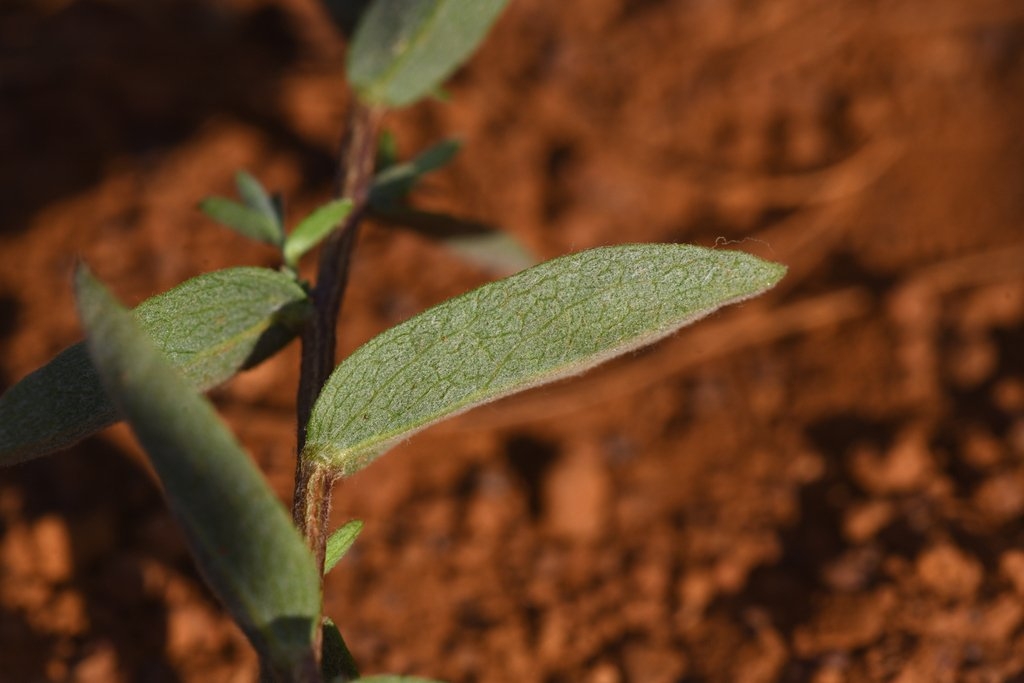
550	321
239	533
209	327
404	49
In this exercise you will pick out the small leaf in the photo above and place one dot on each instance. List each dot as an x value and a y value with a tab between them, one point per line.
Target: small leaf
209	327
242	219
339	543
435	157
551	321
404	49
498	252
476	243
277	199
241	537
387	151
336	661
314	228
391	185
257	199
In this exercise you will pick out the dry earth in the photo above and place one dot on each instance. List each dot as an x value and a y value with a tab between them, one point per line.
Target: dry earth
825	485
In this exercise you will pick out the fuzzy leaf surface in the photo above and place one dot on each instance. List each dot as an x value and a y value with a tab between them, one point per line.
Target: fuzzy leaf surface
404	49
550	321
239	533
209	327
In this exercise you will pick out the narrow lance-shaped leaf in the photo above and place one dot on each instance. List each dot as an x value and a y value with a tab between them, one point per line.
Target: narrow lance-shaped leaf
336	662
387	151
257	218
391	185
551	321
404	49
257	198
314	228
477	243
239	533
499	252
240	218
339	543
209	327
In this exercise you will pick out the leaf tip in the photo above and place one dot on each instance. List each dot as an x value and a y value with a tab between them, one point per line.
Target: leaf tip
88	290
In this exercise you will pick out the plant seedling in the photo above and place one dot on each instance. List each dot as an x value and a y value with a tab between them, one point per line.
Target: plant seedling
149	366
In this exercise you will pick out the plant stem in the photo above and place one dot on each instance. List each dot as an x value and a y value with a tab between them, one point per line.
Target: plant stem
311	511
312	500
315	499
355	176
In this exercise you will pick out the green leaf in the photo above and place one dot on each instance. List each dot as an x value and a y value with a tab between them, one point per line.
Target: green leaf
339	543
387	151
499	252
209	327
404	49
242	219
476	243
241	537
314	228
437	156
391	185
256	198
259	218
336	661
551	321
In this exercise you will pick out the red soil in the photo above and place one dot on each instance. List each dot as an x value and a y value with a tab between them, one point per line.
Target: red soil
823	485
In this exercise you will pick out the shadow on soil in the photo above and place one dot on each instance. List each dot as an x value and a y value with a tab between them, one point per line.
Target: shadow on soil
116	525
99	82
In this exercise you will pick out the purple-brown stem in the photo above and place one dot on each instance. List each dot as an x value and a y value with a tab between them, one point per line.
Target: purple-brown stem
312	500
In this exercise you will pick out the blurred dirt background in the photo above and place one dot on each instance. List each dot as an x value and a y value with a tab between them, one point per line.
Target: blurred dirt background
823	485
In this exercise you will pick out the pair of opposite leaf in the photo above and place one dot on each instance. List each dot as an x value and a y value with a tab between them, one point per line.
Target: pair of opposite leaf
62	402
260	217
550	321
400	51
